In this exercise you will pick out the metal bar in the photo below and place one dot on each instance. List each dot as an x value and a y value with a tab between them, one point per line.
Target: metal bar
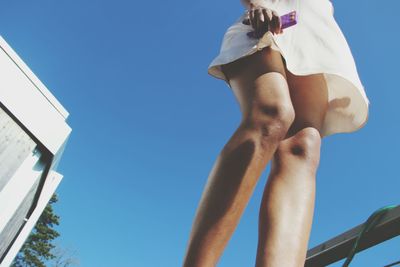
338	247
393	264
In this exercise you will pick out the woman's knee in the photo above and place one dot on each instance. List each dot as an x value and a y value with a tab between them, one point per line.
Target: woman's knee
304	145
270	121
266	105
259	84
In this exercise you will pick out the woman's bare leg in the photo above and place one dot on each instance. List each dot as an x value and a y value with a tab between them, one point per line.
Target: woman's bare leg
261	89
288	202
287	206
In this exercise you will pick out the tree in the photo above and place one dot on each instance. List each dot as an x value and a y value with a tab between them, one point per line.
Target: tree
64	258
38	248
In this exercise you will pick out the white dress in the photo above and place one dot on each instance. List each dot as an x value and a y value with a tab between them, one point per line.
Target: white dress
314	45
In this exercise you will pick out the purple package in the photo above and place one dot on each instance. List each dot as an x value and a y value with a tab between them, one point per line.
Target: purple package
288	20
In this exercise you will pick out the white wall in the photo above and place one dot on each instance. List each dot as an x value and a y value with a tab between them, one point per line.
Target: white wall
36	109
30	101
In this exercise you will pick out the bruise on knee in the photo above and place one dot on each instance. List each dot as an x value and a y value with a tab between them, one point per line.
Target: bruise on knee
303	145
298	150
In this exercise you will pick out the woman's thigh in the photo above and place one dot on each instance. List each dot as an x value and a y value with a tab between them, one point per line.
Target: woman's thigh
259	83
309	96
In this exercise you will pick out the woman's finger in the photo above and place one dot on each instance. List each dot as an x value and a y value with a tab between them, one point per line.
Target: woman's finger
257	20
269	14
266	22
277	23
246	20
273	25
262	19
251	17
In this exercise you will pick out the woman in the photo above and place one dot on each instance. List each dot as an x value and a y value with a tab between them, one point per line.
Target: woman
294	87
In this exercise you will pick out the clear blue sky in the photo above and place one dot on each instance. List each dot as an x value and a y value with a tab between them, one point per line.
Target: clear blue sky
148	123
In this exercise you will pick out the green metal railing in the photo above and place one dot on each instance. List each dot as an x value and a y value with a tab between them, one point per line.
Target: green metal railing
382	225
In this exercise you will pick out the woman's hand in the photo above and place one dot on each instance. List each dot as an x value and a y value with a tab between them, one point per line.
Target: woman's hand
263	20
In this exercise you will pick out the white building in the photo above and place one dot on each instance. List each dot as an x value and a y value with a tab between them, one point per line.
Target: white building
33	134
